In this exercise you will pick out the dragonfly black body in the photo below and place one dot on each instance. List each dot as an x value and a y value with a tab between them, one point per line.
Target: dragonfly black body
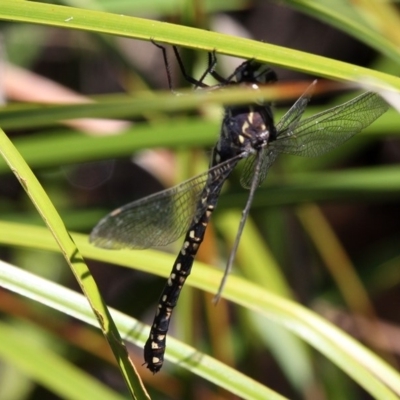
248	132
245	130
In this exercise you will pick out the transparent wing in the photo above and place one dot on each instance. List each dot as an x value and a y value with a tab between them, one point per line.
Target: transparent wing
327	130
288	122
291	119
161	218
249	167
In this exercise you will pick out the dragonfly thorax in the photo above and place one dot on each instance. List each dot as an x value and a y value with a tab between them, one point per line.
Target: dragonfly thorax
245	129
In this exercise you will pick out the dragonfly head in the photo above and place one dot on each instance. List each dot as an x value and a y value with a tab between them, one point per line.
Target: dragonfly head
252	71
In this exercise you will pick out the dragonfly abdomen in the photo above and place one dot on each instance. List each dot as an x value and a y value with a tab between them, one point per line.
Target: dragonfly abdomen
155	345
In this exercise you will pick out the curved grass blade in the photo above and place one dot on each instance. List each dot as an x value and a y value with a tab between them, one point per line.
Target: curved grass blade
76	262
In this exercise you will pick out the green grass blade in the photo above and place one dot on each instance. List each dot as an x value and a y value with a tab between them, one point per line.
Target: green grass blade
343	16
143	103
71	254
161	7
74	304
20	350
63	146
368	184
372	373
121	106
258	265
94	21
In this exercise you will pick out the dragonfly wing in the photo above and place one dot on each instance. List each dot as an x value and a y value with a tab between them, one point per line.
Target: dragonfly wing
268	157
329	129
288	123
155	220
291	119
161	218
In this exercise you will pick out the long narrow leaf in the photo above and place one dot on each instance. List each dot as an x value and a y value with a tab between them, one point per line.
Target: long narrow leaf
99	22
71	303
76	262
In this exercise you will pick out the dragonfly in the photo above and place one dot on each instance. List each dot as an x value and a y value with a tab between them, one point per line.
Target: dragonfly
248	134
